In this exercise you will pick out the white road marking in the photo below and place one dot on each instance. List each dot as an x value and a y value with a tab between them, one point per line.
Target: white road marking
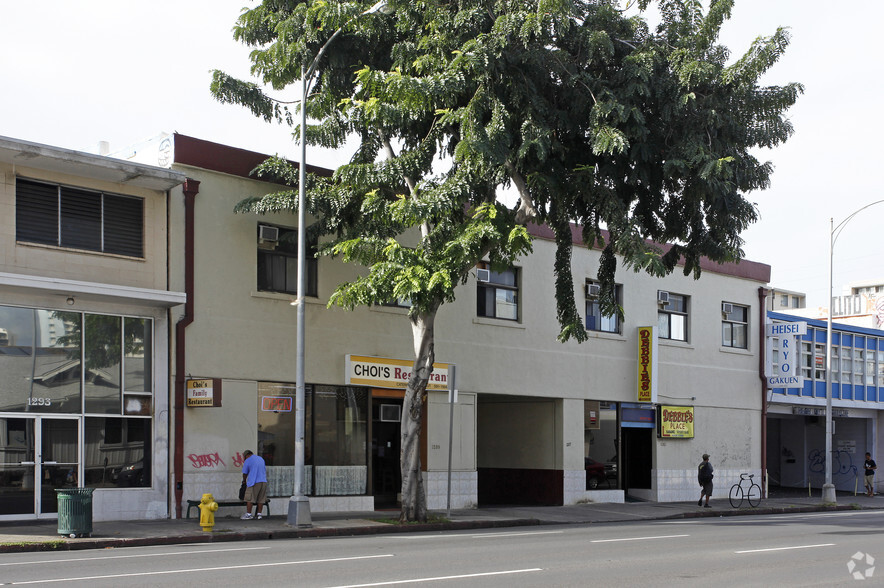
189	570
486	535
474	536
440	578
637	538
785	548
64	561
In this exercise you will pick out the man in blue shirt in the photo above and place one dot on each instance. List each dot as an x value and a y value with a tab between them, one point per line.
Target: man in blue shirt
254	476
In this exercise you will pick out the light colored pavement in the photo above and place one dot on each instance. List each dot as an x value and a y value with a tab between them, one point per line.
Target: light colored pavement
43	535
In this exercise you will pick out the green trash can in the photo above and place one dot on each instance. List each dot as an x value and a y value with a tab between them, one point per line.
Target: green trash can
75	511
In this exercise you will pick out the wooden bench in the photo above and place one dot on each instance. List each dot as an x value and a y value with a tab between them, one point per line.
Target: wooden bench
196	504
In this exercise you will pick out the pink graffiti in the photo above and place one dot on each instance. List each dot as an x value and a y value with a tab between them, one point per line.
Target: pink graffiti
207	460
237	460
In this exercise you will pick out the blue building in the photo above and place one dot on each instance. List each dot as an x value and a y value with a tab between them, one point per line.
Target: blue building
796	423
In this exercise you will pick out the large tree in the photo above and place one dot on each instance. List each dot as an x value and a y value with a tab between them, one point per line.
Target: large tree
588	114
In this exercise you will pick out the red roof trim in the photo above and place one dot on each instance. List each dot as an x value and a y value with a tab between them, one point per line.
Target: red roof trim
225	159
750	270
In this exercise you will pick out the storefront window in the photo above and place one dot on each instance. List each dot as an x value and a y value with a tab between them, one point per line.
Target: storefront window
103	336
600	444
340	432
39	361
335	443
117	452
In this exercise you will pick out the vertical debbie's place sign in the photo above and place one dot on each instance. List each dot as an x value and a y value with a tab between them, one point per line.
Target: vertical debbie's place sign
383	372
675	422
647	364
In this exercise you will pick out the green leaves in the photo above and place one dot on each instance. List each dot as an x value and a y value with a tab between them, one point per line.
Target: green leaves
595	119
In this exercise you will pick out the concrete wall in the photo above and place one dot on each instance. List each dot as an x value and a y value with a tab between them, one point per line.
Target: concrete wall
57	262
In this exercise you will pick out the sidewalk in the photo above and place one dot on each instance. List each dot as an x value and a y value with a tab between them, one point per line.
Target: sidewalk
21	536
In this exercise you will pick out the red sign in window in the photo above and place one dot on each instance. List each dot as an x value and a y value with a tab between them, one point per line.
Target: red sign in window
276	403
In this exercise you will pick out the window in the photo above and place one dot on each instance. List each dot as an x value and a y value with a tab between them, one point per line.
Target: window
335	438
672	318
278	264
595	320
735	327
498	297
78	219
784	300
118	452
43	357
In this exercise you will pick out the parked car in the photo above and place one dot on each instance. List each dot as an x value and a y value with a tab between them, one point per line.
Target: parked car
595	473
130	475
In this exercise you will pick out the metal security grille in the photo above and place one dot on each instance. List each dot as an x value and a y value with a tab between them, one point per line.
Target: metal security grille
78	219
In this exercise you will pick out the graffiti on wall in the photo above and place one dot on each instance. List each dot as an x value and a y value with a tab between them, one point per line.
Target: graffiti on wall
206	460
842	463
213	460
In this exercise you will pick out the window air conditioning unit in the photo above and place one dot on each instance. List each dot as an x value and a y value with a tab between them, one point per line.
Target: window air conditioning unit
268	233
593	290
727	307
391	413
483	275
662	297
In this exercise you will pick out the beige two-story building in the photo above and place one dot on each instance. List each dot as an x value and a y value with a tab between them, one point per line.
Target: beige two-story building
536	421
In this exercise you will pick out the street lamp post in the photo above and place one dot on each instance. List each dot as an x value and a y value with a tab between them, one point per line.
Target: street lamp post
834	232
299	505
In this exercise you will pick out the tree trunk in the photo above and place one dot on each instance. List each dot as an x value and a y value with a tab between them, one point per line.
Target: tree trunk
414	499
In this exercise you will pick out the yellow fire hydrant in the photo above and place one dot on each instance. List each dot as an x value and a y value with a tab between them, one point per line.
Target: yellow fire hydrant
208	506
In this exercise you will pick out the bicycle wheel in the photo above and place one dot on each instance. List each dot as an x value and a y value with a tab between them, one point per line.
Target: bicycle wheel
736	496
754	495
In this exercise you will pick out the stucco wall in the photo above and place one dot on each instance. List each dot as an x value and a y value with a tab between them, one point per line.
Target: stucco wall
42	260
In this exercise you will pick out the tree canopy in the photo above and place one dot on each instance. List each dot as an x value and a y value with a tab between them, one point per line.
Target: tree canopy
583	109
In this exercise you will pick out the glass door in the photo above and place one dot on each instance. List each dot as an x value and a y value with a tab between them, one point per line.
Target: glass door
17	461
57	460
37	455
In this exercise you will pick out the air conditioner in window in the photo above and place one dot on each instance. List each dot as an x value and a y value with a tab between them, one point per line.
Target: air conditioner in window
662	297
391	413
483	275
593	290
727	307
268	234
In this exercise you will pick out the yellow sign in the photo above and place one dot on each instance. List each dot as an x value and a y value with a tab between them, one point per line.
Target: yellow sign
200	392
383	372
677	422
647	364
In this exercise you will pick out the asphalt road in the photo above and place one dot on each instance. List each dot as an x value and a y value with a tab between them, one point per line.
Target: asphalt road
808	549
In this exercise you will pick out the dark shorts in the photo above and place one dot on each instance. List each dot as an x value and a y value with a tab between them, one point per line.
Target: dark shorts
707	488
256	493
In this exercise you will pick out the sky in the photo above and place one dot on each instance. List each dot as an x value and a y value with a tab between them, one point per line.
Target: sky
121	71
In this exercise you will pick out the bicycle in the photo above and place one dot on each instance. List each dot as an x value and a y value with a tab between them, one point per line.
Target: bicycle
738	493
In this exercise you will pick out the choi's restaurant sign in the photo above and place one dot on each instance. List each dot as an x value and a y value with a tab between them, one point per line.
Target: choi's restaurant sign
675	422
383	372
647	364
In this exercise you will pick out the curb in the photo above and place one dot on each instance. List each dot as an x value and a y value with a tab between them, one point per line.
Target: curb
62	544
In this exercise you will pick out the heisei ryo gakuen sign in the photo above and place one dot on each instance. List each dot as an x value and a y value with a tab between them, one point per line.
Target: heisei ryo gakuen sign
647	364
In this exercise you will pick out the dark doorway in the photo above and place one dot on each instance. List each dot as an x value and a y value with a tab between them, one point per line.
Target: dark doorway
385	429
637	457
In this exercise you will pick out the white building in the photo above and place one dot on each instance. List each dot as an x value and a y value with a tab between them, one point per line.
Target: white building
84	301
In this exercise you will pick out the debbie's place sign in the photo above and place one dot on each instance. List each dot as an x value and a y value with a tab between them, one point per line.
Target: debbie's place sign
384	372
676	422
